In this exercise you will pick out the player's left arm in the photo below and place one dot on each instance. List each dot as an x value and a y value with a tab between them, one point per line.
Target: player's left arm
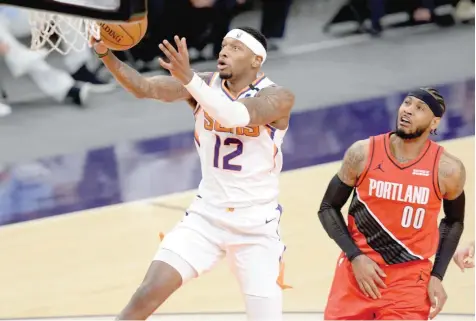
452	177
269	105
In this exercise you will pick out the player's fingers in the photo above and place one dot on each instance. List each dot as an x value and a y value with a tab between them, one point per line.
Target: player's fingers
371	289
434	313
362	288
379	281
439	306
432	297
165	65
380	271
459	260
178	43
170	48
375	289
469	264
167	53
368	290
185	47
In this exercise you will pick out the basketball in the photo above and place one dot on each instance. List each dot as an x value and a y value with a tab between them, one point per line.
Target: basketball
123	36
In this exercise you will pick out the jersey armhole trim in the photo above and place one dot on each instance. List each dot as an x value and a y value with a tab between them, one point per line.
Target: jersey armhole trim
368	162
436	181
196	111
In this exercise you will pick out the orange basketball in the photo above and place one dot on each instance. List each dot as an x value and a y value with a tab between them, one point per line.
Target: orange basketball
123	36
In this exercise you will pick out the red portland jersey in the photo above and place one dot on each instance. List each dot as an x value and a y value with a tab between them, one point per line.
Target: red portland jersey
394	211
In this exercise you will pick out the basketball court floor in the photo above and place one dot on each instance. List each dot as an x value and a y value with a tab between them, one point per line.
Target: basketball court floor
89	263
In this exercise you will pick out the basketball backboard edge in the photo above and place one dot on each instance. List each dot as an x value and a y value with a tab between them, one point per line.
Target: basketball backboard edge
128	10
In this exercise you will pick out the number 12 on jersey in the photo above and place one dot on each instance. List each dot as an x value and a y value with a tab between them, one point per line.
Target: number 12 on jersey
230	141
408	219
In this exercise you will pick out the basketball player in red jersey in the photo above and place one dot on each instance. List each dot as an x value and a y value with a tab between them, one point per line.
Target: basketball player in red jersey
399	181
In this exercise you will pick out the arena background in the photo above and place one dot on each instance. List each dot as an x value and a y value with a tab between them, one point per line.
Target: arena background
84	194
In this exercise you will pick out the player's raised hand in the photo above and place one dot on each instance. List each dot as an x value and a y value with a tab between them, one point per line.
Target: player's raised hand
98	46
369	276
437	295
464	257
179	63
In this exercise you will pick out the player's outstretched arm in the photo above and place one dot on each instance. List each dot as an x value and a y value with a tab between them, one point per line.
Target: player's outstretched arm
337	194
163	88
452	177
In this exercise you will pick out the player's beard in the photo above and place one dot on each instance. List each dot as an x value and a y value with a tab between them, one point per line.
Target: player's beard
417	133
225	75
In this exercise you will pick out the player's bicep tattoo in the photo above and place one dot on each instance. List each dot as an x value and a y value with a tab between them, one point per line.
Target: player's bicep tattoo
269	105
352	164
452	175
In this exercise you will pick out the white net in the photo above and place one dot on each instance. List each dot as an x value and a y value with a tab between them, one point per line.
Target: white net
63	33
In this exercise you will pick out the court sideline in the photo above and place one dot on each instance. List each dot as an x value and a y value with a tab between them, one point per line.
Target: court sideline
240	317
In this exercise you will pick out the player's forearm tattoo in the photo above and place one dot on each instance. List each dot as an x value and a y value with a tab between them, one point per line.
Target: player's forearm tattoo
129	78
352	164
164	88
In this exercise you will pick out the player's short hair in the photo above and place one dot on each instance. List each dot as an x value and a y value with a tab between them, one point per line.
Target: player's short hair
436	94
257	35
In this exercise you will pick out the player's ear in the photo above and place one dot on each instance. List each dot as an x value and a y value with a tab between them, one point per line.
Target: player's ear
257	61
434	123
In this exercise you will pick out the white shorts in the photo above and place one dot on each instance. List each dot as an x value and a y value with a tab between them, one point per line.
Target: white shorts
248	237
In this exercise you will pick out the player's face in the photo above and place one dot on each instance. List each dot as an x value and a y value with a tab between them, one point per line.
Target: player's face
235	59
415	118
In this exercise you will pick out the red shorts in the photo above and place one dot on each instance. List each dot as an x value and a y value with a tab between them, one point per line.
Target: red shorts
405	298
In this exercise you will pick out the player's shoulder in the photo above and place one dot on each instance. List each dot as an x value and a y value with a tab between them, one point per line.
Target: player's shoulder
276	90
353	164
451	173
450	166
356	155
359	149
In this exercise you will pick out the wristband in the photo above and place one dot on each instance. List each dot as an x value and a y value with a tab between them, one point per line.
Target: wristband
101	55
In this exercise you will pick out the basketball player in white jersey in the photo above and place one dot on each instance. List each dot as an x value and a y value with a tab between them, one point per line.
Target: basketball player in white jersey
241	118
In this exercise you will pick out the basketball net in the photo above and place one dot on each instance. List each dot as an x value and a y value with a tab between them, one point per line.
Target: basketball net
62	33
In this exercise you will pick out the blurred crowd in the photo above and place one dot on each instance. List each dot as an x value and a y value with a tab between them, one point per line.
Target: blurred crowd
202	22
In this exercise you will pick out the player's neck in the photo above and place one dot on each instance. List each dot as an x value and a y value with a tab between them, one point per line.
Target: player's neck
235	86
407	149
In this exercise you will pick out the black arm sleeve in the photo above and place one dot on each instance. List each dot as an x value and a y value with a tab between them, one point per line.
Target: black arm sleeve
451	229
331	217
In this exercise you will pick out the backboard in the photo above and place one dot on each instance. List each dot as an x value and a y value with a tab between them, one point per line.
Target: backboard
104	10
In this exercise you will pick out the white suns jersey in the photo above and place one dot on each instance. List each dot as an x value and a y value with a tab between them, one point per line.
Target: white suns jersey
240	166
